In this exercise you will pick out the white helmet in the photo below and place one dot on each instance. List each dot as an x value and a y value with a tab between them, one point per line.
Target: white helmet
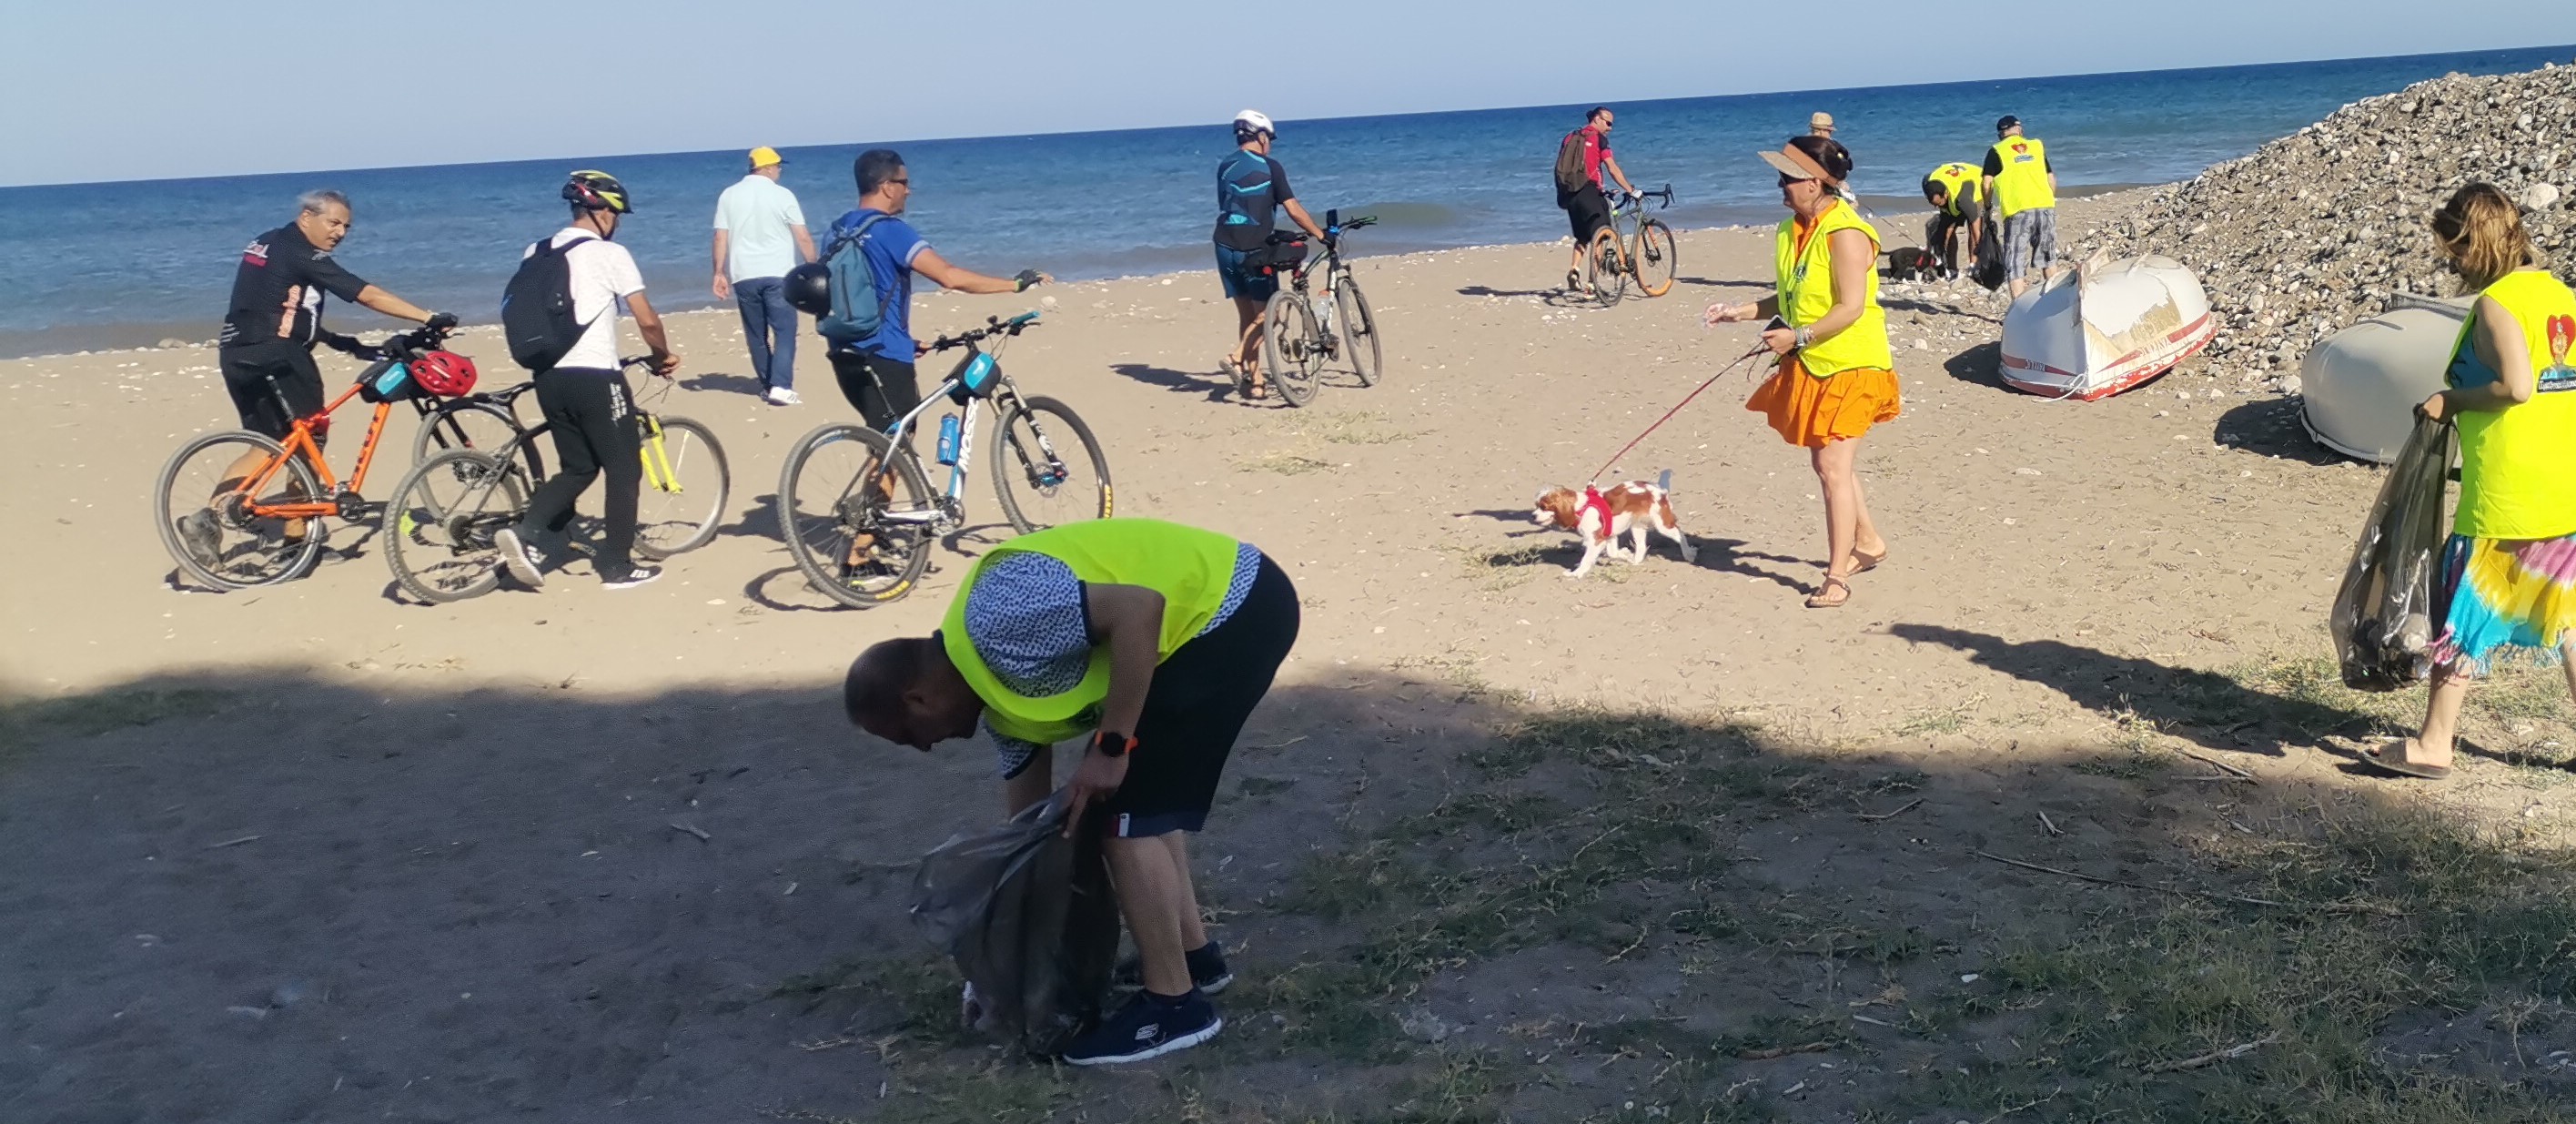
1254	121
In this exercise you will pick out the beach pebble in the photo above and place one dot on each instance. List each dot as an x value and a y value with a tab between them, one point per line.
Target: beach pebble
1421	1025
290	993
2540	197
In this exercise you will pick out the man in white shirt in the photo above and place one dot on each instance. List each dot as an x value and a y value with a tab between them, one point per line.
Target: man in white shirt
760	235
585	396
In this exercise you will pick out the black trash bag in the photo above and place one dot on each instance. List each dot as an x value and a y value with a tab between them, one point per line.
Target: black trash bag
2384	618
1029	917
1990	254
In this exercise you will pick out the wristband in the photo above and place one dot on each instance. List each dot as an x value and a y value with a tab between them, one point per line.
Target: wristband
1803	339
1111	745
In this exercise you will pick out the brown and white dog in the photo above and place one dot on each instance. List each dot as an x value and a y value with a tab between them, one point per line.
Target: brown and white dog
1602	515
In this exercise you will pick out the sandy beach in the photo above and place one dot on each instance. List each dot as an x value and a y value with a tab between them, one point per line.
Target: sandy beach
312	853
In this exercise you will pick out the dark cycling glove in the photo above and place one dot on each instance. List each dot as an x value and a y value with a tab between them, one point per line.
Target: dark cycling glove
442	321
1024	279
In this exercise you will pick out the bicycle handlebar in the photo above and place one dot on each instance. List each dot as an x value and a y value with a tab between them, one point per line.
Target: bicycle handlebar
993	326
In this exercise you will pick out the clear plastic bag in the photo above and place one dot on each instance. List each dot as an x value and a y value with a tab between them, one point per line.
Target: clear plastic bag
1029	918
2383	618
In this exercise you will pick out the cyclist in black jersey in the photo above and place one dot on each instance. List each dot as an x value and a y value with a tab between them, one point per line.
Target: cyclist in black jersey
1250	188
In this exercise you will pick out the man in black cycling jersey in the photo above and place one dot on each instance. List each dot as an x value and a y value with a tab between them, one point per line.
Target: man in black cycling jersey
1250	189
585	396
275	318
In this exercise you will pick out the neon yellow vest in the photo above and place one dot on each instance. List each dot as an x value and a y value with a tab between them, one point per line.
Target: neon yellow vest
1967	194
1806	292
1191	568
2518	464
2024	184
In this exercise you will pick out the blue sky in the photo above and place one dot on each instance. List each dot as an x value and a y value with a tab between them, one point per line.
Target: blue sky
133	89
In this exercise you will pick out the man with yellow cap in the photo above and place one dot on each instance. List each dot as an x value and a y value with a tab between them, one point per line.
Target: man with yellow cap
760	235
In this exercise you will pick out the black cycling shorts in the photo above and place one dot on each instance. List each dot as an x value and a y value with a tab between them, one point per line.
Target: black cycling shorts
881	389
266	409
1587	211
1196	707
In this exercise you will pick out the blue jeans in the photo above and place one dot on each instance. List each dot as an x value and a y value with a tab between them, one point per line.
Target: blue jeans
769	326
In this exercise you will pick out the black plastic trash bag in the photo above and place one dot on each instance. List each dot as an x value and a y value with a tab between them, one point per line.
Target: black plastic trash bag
1029	918
2384	613
1990	254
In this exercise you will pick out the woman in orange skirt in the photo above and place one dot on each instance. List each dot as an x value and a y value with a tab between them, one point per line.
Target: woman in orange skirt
1837	374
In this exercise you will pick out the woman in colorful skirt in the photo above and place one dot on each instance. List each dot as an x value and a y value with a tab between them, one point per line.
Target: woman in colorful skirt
2508	576
1837	374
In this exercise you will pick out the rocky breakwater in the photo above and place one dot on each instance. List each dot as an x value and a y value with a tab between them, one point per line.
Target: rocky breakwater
2317	229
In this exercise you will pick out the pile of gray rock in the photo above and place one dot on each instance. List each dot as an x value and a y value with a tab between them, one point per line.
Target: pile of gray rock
2314	231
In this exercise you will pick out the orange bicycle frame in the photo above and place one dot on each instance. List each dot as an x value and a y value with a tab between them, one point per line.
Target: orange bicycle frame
300	442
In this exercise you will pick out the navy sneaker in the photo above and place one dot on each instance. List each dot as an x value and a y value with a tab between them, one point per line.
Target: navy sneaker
631	577
197	530
517	558
1208	972
1149	1026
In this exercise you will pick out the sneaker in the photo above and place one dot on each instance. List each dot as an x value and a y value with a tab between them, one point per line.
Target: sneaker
781	396
1208	972
197	532
632	577
517	558
1148	1027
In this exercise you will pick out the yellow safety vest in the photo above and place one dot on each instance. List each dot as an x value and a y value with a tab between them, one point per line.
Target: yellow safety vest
1967	195
2024	184
1806	292
2518	464
1190	567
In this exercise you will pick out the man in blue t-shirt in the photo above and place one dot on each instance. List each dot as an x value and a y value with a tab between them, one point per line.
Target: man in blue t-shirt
876	374
1251	188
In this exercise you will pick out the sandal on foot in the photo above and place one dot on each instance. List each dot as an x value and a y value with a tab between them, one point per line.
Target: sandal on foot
2398	765
1864	563
1817	600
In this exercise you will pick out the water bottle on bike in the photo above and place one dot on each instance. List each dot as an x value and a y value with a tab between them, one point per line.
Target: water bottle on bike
948	426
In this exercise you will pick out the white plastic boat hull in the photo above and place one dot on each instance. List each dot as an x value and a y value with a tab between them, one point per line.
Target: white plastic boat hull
2105	327
2359	387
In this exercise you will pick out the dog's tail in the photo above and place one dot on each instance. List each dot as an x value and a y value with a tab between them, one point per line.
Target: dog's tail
1664	482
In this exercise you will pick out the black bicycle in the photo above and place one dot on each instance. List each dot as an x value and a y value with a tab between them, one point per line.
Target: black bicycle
1299	333
857	508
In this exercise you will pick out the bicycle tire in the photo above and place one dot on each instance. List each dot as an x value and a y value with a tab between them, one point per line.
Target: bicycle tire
681	513
443	551
286	561
822	512
1658	255
1289	355
1359	331
451	426
1032	454
1605	268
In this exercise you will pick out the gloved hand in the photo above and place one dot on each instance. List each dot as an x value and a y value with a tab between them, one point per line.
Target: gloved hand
442	321
1026	278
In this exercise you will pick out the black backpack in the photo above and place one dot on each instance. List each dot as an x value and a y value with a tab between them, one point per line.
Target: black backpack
1571	176
536	309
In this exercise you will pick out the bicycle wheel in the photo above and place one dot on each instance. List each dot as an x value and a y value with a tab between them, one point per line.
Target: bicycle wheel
1289	355
1657	258
858	518
686	483
206	520
1359	331
1605	269
442	550
480	426
1042	477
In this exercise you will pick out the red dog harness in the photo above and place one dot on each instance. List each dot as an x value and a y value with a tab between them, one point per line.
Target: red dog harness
1593	500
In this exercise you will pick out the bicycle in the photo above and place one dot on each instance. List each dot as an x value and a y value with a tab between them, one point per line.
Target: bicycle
1646	252
1297	335
855	505
242	524
443	550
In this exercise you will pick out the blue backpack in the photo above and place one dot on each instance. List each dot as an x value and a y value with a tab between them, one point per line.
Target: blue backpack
858	310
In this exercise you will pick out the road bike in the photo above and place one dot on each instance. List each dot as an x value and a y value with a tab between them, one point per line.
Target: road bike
855	505
1299	333
1643	251
233	530
441	519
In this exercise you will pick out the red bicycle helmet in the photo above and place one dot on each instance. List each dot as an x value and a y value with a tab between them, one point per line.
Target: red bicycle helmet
444	373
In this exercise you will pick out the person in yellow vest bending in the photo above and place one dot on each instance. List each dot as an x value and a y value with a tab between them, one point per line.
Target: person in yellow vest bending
2022	187
1958	212
1156	640
1837	375
2507	580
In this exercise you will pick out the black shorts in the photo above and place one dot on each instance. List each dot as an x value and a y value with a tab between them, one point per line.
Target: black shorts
881	389
1587	211
1196	707
248	375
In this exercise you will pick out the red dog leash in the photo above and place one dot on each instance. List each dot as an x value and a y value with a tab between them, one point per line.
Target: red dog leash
1592	495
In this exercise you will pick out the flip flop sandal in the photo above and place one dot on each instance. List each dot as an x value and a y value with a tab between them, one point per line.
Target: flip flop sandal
1864	563
2399	766
1817	600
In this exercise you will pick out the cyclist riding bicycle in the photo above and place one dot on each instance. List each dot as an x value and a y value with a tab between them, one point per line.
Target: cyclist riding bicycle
1250	188
584	395
275	318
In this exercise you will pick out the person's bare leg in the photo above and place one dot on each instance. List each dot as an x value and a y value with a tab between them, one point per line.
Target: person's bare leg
2441	718
239	472
1834	478
1247	355
1151	894
1193	928
1865	537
